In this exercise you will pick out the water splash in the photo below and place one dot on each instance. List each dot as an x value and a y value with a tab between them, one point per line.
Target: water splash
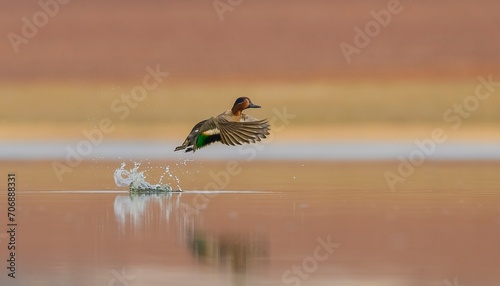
137	183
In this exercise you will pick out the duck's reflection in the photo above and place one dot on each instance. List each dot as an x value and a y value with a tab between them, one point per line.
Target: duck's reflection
233	250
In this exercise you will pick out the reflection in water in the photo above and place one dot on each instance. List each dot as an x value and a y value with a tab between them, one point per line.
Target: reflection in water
235	249
133	209
141	212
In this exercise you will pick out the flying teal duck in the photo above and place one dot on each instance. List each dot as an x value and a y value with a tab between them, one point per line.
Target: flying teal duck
230	128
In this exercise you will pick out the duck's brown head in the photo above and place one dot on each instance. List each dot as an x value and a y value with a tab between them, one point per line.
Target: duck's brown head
241	104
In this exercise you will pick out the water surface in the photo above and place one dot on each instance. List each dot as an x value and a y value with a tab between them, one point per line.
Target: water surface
314	224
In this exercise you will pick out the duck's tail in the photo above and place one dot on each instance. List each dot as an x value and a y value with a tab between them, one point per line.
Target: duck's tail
186	145
178	148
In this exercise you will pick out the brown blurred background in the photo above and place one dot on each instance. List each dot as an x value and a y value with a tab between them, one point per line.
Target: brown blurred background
279	53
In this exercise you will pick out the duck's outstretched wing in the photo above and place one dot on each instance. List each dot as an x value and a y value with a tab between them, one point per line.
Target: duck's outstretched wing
237	133
225	131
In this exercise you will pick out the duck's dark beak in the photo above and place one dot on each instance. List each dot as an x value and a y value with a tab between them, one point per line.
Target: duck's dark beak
253	105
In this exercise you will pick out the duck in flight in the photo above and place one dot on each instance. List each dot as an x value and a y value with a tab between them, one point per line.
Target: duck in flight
230	128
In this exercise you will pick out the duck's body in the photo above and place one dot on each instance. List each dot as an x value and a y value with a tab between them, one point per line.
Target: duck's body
231	128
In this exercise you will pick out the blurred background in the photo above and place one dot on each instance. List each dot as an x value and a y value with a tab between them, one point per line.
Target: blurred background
62	70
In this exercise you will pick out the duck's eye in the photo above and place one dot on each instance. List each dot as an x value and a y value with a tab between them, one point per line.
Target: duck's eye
240	100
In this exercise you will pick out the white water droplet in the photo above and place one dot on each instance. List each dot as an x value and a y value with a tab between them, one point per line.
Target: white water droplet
136	180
